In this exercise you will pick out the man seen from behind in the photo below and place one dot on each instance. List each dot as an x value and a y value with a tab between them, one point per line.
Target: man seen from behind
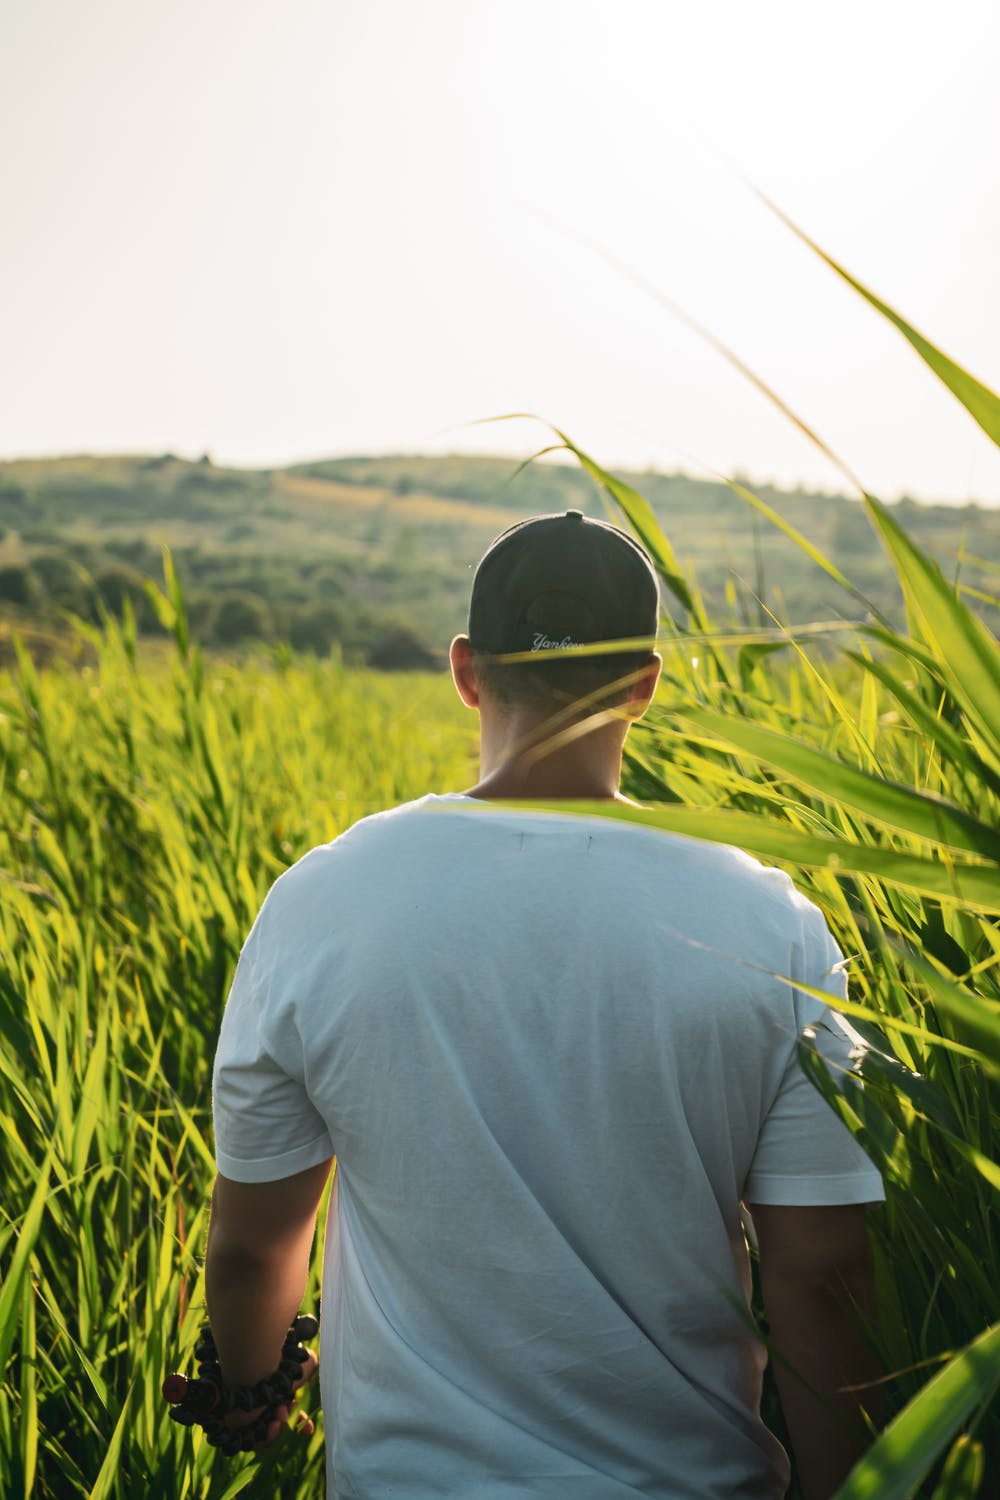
556	1063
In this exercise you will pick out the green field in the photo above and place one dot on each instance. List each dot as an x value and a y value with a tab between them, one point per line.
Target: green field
149	802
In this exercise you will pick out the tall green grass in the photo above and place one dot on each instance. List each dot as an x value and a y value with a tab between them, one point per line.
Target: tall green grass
144	811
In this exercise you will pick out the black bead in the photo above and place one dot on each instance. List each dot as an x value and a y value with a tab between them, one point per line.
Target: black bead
202	1395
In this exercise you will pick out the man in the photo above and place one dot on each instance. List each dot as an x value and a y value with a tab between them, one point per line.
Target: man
553	1059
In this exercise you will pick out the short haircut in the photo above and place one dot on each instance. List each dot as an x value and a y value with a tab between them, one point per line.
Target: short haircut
552	685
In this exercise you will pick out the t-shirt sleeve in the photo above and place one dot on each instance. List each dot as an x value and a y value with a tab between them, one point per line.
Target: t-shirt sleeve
265	1125
806	1157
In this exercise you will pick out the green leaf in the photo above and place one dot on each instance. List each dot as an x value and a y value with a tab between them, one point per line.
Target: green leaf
29	1388
96	1380
982	404
176	596
733	359
244	1478
963	1471
918	813
92	1098
976	1020
976	886
954	746
928	1098
904	646
644	524
898	1460
967	654
750	658
818	557
110	1471
17	1271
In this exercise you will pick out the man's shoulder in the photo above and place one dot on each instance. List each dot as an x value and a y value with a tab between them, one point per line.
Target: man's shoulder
376	841
739	876
325	862
725	875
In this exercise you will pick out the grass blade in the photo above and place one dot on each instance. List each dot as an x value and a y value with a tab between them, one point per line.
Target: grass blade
982	404
645	525
29	1388
803	542
902	1455
967	653
962	1474
110	1471
918	813
17	1272
954	745
976	886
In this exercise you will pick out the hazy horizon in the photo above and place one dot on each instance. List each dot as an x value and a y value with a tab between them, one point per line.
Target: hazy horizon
755	482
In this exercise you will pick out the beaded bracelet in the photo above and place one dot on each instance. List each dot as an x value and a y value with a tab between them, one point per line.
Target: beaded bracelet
204	1401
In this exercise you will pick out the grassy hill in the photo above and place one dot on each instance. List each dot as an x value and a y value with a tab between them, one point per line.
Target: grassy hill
374	556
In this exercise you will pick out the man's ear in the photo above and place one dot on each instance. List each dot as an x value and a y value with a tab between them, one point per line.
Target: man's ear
463	672
645	686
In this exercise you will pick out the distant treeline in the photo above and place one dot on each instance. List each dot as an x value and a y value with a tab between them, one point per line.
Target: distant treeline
226	607
373	557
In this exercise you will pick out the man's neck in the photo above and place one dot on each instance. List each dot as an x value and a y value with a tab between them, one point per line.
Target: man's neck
505	788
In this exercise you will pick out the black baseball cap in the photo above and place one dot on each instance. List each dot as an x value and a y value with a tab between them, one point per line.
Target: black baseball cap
553	582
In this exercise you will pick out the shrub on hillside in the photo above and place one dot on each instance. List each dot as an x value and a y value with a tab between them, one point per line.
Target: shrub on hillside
399	650
63	581
18	585
115	586
316	627
240	617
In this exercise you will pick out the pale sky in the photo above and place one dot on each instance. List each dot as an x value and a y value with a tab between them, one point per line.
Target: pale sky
289	229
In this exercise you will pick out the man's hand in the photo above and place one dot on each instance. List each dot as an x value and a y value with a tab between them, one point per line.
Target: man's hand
304	1427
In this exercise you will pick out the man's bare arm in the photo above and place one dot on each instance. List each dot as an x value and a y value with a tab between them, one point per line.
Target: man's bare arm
256	1267
817	1278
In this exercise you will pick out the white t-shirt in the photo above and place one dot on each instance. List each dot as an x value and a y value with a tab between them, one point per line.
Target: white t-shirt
552	1058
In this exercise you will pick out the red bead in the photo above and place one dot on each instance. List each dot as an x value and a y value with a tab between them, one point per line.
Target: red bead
175	1387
